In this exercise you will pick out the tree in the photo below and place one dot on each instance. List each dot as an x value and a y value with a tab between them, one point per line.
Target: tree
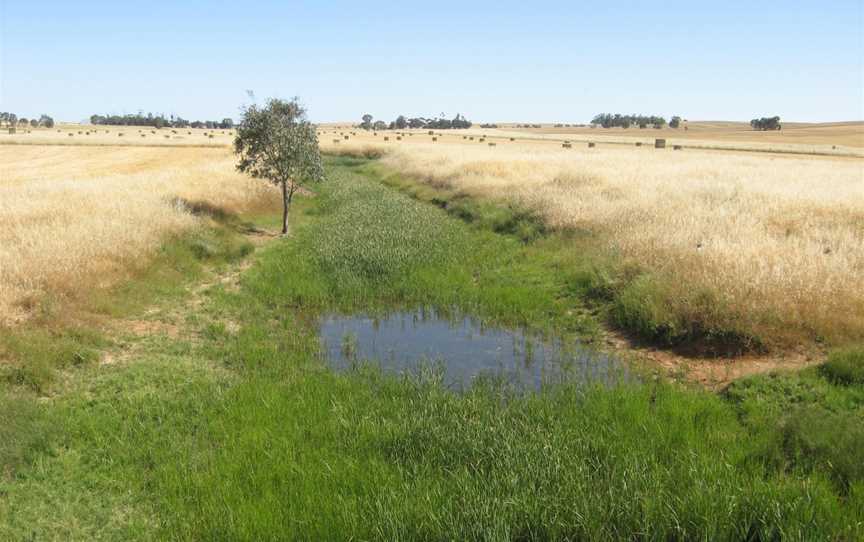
379	125
46	121
766	123
226	124
367	122
675	122
277	143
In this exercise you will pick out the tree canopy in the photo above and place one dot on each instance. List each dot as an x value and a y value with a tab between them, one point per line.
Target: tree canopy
609	120
278	144
159	121
766	123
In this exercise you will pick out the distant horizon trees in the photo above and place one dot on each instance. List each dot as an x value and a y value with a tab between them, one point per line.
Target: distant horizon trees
159	121
766	123
609	120
11	120
402	122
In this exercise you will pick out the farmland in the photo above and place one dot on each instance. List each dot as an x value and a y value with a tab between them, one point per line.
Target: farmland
750	245
162	372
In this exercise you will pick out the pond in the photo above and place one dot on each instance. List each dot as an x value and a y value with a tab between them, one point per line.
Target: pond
462	349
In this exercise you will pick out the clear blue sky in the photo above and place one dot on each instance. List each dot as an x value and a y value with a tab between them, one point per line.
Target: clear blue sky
491	61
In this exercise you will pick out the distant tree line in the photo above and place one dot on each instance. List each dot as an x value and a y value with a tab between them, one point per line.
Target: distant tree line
402	122
11	120
766	123
159	121
608	120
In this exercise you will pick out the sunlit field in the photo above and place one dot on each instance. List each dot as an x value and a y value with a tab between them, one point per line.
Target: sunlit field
758	244
80	134
76	217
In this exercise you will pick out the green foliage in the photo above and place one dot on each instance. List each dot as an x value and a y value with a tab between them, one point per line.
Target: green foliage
245	435
608	120
766	123
277	143
845	367
803	422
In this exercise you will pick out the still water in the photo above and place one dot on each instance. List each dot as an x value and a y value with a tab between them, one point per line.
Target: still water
462	349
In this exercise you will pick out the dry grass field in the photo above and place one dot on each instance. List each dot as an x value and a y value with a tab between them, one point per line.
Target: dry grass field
80	134
844	139
78	216
766	245
842	134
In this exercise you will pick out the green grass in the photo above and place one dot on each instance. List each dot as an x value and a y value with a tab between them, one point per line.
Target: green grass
243	434
627	297
845	367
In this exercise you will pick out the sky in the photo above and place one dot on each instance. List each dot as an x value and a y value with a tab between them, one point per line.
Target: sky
530	61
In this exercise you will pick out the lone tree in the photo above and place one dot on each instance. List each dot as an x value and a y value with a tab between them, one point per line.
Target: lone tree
279	144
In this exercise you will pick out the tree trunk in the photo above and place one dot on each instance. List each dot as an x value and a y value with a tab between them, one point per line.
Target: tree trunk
286	202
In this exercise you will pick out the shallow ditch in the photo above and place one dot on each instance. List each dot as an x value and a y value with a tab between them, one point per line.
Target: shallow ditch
461	349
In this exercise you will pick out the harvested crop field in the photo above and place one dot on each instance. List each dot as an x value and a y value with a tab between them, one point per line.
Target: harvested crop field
764	246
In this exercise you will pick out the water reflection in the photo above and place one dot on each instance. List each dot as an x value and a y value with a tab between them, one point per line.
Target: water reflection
462	349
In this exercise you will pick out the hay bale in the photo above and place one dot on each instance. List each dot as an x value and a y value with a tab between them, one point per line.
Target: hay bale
398	138
211	136
386	138
335	141
591	144
346	138
512	139
659	143
638	143
434	139
471	138
431	132
120	134
71	134
492	143
567	145
676	147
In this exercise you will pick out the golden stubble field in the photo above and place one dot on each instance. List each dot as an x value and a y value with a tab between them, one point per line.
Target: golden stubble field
79	217
776	240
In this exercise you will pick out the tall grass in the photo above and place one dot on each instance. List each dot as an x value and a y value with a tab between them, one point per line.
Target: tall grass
77	218
306	453
277	447
750	245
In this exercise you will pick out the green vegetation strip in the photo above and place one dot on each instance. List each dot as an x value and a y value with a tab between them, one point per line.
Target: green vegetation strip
240	433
